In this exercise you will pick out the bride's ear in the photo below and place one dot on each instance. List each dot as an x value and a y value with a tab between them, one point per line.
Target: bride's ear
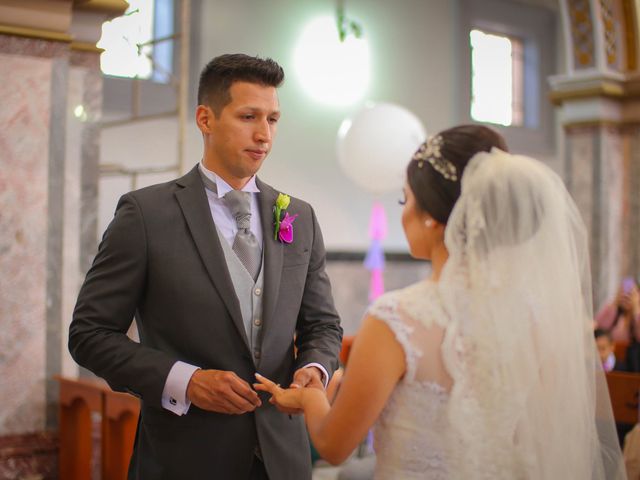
431	222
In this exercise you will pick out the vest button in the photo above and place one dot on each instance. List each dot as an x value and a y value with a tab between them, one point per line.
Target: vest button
256	354
258	291
257	322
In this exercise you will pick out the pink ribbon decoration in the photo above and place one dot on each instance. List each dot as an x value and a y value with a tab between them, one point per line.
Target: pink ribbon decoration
374	261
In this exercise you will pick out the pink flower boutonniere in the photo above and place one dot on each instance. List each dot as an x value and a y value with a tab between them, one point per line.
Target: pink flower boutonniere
283	223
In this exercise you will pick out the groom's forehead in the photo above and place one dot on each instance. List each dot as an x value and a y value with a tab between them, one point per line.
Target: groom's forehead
254	95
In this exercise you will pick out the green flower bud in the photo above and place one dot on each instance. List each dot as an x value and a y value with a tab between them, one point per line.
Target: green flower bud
282	202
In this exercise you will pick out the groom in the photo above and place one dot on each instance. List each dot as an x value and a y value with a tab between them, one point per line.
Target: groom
220	289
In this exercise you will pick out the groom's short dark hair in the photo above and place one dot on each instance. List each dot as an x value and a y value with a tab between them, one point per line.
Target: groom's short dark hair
221	72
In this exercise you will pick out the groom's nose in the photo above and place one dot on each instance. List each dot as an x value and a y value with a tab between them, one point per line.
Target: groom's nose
263	132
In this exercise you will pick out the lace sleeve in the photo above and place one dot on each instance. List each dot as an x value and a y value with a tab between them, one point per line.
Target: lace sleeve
386	309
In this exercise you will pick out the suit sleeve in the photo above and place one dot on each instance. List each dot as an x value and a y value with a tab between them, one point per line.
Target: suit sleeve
106	306
319	334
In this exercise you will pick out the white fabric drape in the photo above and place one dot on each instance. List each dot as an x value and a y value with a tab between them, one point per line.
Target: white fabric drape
529	398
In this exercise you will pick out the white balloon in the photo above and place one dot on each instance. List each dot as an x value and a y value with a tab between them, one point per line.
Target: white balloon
376	144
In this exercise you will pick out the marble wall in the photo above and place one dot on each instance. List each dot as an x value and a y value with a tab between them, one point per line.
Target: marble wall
595	175
578	174
84	104
631	206
24	191
610	214
51	99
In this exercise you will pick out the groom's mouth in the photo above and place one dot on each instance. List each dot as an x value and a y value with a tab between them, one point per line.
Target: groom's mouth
256	154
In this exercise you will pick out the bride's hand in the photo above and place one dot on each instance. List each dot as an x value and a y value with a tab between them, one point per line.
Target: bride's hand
287	400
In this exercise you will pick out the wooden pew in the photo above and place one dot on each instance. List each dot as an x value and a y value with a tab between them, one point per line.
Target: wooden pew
119	423
620	351
79	400
623	391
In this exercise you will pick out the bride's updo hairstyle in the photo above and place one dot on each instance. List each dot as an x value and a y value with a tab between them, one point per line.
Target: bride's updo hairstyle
435	171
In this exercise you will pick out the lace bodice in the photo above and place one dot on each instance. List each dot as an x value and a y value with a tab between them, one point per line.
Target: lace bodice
411	433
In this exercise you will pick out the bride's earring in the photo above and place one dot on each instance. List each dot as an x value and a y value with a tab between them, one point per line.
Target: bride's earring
429	223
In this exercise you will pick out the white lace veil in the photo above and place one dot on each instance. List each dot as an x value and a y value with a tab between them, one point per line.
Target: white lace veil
529	398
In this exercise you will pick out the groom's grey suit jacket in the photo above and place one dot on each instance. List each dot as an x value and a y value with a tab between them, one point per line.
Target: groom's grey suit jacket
161	260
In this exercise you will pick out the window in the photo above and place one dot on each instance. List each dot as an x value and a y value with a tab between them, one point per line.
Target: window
530	30
140	43
496	78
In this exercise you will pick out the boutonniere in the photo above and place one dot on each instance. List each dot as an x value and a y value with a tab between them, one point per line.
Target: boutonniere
283	221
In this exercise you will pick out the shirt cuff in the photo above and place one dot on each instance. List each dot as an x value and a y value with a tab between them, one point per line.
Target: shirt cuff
174	394
325	375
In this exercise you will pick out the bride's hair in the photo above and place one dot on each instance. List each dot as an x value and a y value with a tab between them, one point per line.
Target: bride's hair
436	192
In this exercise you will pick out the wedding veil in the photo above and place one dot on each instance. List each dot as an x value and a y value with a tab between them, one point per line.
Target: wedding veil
529	398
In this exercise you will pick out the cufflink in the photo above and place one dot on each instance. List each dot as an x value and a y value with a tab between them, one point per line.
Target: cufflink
173	401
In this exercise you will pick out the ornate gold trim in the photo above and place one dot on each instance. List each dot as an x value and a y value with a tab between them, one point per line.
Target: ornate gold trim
36	33
115	8
603	123
86	47
608	22
604	89
594	124
581	25
619	127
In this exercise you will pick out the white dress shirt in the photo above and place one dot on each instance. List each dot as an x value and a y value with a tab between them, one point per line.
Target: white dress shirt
174	394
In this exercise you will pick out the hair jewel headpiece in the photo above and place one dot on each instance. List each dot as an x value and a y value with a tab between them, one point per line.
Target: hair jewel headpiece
429	151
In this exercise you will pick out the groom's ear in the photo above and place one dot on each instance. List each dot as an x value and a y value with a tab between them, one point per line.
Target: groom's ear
204	118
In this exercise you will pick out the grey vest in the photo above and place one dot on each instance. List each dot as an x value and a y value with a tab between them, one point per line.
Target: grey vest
249	295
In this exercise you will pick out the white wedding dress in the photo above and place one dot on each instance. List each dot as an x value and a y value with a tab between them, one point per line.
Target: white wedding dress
411	433
502	377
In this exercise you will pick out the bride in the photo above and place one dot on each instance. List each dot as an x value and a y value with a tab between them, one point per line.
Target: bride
487	369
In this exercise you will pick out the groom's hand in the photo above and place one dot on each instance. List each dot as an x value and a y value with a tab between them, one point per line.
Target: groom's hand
221	391
308	377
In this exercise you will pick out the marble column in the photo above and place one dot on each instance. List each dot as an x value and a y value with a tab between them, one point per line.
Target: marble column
51	94
594	172
598	110
32	156
631	207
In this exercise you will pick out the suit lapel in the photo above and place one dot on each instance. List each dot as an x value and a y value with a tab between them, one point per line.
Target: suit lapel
195	208
272	250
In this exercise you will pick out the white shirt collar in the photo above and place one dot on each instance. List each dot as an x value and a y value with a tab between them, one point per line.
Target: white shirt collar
223	187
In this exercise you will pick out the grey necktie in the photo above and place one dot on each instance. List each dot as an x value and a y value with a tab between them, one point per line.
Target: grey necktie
245	245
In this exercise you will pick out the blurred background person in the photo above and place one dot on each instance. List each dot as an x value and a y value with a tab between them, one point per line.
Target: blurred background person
606	350
621	317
